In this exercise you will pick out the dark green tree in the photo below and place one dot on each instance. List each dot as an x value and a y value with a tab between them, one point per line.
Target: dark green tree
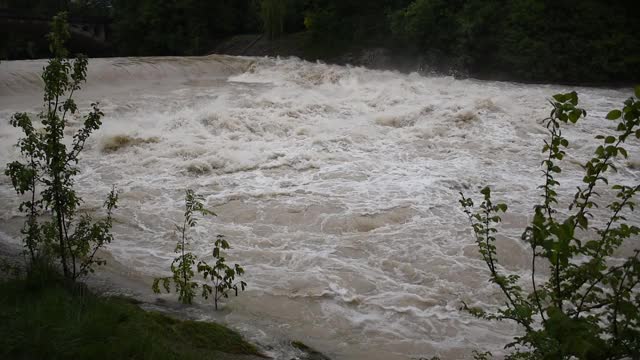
47	175
179	27
273	13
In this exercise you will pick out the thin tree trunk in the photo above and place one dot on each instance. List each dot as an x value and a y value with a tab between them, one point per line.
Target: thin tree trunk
32	216
63	255
61	238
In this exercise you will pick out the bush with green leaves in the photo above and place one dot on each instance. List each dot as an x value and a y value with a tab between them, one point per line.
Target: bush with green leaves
221	275
47	174
588	307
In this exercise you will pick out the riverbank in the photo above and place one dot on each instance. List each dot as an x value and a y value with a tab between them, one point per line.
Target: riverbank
45	316
301	45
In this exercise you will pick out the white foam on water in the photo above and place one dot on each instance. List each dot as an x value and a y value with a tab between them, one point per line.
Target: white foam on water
336	186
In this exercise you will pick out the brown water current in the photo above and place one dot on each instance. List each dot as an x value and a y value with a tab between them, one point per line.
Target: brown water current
336	186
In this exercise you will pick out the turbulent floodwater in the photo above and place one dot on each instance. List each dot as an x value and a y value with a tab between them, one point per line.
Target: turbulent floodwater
336	186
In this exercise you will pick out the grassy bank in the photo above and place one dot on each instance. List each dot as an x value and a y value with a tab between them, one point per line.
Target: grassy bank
51	320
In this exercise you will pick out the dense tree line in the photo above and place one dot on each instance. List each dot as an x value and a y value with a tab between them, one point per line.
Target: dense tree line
52	7
532	40
179	27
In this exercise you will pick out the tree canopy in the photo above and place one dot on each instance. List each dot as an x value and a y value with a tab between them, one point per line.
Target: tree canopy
587	41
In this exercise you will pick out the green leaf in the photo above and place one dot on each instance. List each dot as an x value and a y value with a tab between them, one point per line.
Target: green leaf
630	115
582	220
609	140
637	91
573	98
574	116
614	114
564	117
623	152
560	97
592	245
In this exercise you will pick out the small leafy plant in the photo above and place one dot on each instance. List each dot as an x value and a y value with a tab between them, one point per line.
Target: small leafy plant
221	275
182	265
589	305
47	175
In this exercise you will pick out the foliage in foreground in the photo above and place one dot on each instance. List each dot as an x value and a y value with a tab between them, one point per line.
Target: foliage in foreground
220	275
43	318
588	307
47	173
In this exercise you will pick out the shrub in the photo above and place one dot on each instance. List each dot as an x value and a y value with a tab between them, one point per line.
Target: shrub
221	275
51	167
588	307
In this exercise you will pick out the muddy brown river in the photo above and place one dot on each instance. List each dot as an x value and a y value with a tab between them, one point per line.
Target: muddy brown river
337	188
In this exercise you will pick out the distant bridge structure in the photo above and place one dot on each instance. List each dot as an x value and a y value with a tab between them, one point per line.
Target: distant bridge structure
95	28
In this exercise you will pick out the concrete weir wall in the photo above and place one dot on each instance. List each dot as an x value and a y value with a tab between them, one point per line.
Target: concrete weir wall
20	80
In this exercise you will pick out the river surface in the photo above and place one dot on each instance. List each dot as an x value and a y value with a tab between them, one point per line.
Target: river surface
337	188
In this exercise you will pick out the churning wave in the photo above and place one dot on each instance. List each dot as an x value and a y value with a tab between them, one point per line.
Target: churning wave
337	186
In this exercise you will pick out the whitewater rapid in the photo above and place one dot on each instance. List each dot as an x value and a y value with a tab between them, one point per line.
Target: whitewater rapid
337	188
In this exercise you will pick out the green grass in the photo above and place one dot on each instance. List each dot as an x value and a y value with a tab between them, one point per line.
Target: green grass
52	321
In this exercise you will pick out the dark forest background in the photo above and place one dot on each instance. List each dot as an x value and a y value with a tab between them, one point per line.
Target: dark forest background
586	41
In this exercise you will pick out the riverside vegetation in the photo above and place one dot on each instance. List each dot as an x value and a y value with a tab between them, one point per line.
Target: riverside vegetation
74	242
530	40
589	305
43	318
221	275
46	312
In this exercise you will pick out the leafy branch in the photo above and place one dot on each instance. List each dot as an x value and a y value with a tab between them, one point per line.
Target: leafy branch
589	306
